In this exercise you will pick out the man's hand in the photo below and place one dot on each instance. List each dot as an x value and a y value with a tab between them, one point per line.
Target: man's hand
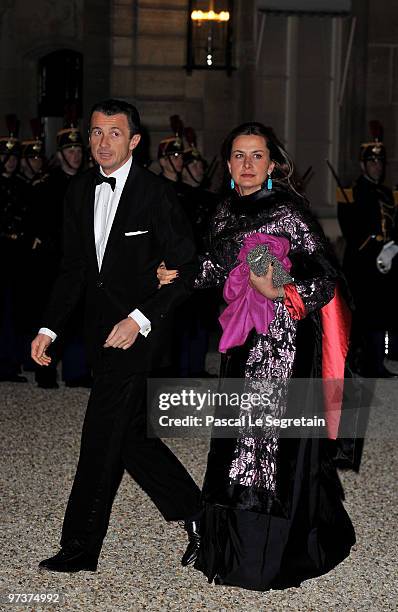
123	335
38	349
165	276
263	284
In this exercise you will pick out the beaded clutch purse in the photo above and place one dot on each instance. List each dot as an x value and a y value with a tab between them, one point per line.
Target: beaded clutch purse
260	258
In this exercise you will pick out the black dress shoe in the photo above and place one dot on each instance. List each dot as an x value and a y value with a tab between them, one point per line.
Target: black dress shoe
82	381
48	385
71	558
193	530
15	378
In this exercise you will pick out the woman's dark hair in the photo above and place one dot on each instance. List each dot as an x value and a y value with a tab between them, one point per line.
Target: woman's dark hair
116	107
284	171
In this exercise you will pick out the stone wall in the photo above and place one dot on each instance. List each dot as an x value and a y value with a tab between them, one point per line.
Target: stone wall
136	49
382	77
148	68
372	86
29	31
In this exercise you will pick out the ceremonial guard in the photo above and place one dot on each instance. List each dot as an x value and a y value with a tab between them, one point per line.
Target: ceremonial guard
16	242
32	171
32	168
184	167
70	159
206	302
194	164
369	226
196	174
171	154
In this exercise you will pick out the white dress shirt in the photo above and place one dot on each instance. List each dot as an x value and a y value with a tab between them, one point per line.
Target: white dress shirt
105	207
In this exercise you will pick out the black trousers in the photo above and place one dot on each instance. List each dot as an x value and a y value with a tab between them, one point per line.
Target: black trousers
114	438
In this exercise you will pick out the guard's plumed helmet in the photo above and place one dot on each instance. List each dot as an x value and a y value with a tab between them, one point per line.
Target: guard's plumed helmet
10	145
375	149
191	152
70	135
33	148
172	145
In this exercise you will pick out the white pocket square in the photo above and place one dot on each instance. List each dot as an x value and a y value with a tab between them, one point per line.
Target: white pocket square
136	233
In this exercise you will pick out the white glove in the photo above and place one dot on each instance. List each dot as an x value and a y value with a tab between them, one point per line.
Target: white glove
385	257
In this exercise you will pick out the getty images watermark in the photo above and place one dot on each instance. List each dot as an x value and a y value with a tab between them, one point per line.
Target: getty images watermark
292	408
199	401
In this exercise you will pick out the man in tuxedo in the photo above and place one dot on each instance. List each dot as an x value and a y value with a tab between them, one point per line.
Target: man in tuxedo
120	222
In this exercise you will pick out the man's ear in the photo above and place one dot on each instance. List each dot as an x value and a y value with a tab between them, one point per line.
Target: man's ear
134	141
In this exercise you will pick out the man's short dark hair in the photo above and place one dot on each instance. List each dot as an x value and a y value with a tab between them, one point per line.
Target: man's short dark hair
116	107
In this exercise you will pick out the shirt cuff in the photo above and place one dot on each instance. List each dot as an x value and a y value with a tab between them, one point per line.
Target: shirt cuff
48	332
142	321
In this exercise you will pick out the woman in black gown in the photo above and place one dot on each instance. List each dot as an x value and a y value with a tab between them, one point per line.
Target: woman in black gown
273	513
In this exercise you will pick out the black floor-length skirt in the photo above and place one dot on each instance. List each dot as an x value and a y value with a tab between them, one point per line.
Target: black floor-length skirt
280	549
254	540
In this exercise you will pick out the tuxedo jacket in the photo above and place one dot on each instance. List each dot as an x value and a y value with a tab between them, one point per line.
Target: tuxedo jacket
149	227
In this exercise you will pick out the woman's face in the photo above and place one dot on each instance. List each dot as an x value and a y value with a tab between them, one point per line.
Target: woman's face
250	163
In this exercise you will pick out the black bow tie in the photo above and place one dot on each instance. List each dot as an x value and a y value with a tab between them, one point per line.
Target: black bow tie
100	178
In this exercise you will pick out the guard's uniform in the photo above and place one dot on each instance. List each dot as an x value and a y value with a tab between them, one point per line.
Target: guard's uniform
368	223
16	242
194	318
50	194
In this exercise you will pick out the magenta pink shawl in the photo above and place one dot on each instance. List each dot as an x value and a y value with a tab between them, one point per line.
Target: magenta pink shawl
248	308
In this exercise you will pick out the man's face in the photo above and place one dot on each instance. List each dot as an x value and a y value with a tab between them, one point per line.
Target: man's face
173	163
374	168
110	141
31	166
197	170
74	157
10	165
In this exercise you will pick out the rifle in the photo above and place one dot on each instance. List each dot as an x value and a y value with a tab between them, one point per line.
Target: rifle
307	176
336	178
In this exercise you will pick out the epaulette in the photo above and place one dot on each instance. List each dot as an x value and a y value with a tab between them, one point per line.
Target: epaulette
340	199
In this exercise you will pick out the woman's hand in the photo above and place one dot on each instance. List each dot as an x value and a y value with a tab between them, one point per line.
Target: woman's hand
264	285
165	276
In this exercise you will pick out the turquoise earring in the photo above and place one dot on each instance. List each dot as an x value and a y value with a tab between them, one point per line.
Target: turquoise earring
269	183
232	183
